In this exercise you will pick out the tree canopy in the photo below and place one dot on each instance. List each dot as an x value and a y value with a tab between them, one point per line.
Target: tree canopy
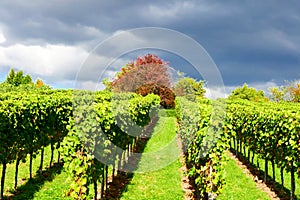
189	87
145	70
248	93
289	92
278	94
18	78
167	96
295	92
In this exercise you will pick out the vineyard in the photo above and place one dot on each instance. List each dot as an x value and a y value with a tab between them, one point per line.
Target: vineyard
29	123
95	135
269	131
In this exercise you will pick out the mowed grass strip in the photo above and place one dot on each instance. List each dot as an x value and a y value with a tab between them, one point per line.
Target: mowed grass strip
164	183
238	185
53	184
286	175
55	189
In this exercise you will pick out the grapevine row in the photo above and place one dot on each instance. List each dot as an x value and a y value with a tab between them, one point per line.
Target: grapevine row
270	130
30	121
204	142
103	132
93	131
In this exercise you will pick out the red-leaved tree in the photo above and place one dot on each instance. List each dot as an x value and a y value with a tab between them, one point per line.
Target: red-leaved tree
145	70
167	96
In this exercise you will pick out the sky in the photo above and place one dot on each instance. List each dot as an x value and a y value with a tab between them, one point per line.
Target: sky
252	41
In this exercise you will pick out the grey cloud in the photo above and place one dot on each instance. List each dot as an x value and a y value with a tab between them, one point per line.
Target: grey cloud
250	41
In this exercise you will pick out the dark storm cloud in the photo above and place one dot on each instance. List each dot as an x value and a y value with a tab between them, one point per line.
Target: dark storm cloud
70	21
250	41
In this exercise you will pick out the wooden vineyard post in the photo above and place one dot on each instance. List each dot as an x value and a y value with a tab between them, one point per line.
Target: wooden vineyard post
3	178
16	173
292	182
281	176
42	160
102	184
106	177
273	170
266	171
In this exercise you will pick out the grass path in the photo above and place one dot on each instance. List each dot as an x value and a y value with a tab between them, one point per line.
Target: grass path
161	152
238	185
53	184
55	189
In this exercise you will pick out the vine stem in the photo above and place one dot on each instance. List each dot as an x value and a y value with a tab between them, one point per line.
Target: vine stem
3	178
266	171
293	182
30	165
16	173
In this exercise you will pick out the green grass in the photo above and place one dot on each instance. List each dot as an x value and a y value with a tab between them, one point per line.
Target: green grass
286	175
161	178
55	189
52	184
238	185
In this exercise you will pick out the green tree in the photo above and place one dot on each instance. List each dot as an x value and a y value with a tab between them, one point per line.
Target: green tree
108	84
17	79
294	91
248	93
189	86
278	94
27	79
11	76
289	92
